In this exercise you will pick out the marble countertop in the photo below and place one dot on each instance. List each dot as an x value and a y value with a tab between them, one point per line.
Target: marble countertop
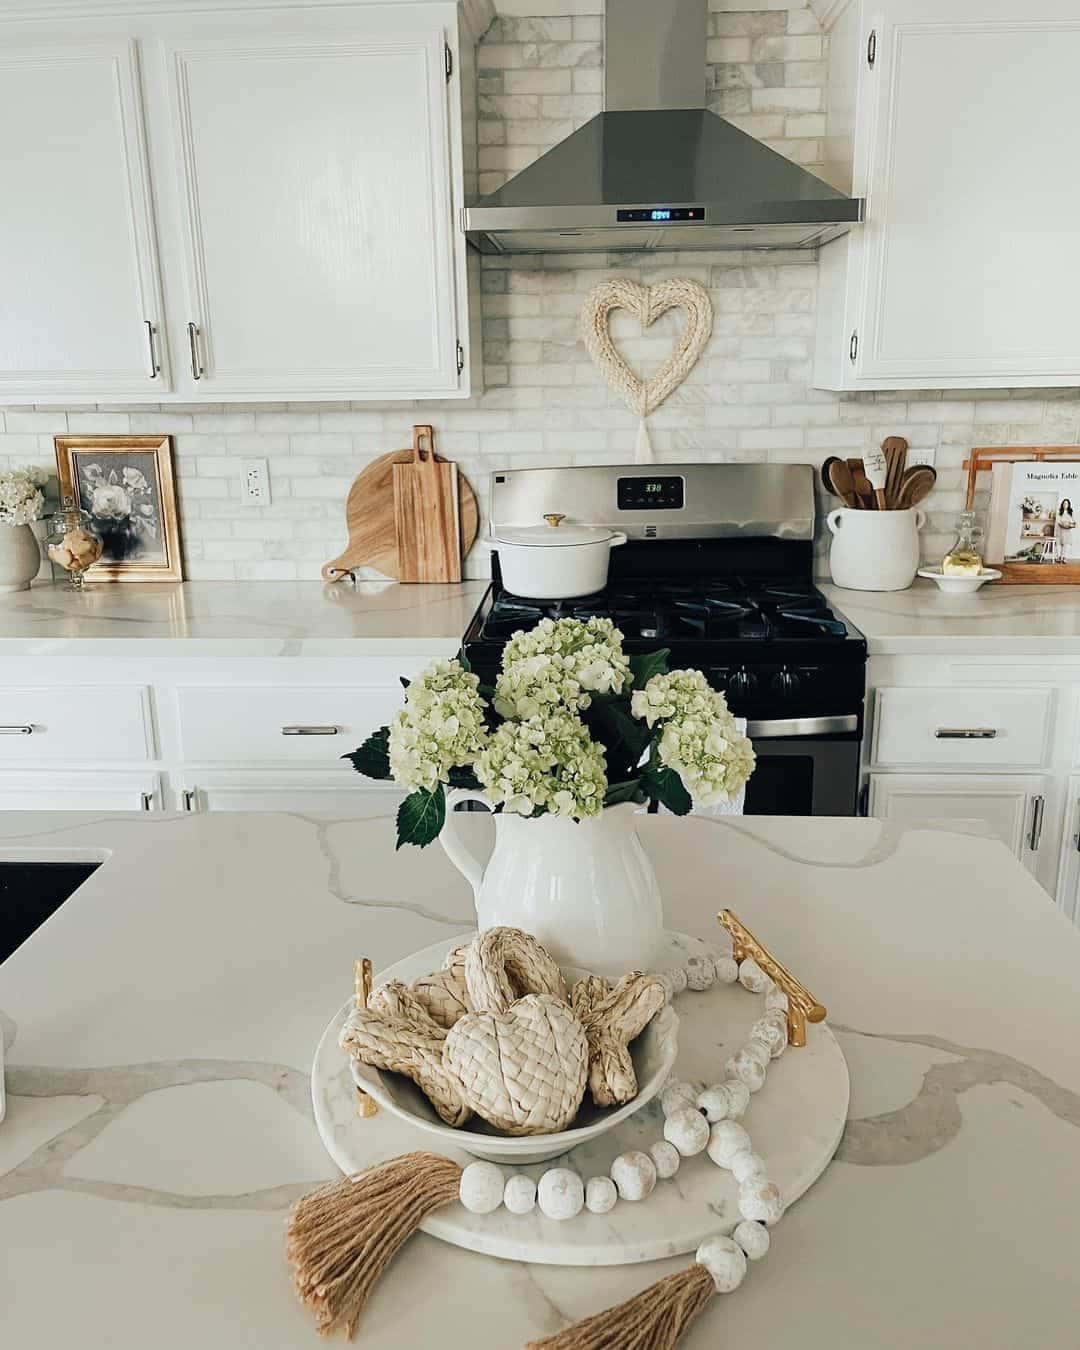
228	618
160	1027
996	620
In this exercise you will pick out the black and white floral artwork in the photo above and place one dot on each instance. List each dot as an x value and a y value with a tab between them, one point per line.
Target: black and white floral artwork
123	495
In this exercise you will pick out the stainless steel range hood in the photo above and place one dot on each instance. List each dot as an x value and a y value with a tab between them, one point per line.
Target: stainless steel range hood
656	170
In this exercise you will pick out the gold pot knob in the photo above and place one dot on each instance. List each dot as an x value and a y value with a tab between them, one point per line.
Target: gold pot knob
554	519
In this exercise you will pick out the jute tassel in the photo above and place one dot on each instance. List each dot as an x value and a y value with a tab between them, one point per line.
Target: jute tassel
342	1236
651	1320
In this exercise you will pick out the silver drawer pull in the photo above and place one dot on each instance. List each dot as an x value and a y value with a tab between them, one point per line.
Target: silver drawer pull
146	800
310	731
965	733
16	731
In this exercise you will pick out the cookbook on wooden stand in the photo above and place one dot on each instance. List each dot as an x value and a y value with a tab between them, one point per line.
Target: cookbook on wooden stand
1031	530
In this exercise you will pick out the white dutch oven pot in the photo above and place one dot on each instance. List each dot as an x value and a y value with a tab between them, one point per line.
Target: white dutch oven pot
555	561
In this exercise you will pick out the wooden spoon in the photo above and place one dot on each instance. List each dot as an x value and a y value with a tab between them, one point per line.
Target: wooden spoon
863	489
826	469
916	483
895	449
841	482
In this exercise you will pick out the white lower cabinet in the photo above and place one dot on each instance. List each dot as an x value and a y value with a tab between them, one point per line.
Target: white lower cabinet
1013	806
333	794
80	790
1068	887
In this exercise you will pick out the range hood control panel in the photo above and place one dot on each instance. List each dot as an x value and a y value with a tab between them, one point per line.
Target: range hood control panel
660	215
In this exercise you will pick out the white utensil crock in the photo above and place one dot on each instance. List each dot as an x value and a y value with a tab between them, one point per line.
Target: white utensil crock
20	558
555	561
874	550
585	889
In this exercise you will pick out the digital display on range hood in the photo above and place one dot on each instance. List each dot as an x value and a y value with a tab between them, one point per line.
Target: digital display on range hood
660	215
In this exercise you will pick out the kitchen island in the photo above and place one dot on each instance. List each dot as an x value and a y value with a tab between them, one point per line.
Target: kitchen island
160	1026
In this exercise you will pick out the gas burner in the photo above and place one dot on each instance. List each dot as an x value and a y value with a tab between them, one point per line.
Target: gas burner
818	621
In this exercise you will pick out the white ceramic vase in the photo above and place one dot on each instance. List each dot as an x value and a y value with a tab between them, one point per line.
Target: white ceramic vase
585	889
20	558
874	550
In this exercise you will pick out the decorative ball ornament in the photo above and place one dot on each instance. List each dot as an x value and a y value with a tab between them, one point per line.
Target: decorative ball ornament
772	1033
678	979
753	1238
677	1096
634	1174
519	1194
666	1158
481	1188
688	1130
561	1193
727	970
776	1001
700	973
738	1098
715	1103
600	1195
752	977
759	1051
748	1167
761	1200
725	1261
726	1139
747	1070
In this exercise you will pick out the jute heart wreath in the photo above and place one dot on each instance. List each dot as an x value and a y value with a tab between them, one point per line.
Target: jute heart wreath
647	303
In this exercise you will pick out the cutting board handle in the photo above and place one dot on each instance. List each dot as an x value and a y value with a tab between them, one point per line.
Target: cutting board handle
423	444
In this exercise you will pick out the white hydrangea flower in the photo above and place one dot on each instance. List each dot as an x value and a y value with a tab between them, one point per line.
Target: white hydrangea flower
560	663
680	693
21	498
709	753
542	764
440	727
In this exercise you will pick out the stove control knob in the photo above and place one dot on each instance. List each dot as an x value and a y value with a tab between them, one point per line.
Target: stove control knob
742	684
785	683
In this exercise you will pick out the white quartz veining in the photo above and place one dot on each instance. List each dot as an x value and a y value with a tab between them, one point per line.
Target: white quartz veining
996	621
228	618
159	1031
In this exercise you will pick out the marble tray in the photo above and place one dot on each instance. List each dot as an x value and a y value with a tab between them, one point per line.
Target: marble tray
795	1121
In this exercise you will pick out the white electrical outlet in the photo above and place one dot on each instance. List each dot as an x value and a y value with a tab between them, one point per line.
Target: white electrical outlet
254	483
926	456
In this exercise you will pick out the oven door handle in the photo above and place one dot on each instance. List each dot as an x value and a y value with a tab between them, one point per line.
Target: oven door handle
785	727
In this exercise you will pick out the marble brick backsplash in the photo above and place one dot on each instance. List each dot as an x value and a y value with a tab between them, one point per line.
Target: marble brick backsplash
544	403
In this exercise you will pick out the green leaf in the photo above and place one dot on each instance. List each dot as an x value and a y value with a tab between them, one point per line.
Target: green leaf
629	791
373	757
666	787
623	737
420	817
464	778
649	664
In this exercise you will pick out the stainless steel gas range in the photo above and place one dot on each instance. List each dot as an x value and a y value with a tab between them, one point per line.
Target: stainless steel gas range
718	567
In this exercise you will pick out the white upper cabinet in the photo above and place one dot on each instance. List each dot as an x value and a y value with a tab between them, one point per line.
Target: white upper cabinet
80	311
307	172
953	118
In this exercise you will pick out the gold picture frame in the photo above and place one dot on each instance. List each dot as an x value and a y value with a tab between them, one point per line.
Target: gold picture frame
126	485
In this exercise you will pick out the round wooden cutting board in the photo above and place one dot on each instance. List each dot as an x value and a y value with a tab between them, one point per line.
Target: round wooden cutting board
369	518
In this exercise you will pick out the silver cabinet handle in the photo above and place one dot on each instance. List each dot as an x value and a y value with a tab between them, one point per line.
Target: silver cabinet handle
193	346
310	731
1076	836
154	367
776	728
147	800
187	799
17	731
965	733
1038	806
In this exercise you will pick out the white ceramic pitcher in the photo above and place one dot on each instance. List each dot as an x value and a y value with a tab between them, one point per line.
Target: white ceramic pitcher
874	550
585	889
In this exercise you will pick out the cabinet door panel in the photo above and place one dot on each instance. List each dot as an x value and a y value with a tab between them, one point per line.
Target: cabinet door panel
337	795
79	791
1068	890
78	268
316	197
971	234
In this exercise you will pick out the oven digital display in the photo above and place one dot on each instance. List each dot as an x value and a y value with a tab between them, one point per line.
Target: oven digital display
660	215
657	493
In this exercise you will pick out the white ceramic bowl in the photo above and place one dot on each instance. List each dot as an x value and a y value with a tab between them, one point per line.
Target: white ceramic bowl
958	585
653	1054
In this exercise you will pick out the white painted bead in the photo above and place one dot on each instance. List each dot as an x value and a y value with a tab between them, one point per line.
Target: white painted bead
772	1033
726	1139
725	1261
700	973
753	1238
738	1098
600	1195
678	979
481	1188
761	1200
747	1070
634	1174
665	1158
727	970
715	1102
677	1096
776	1000
757	1050
748	1167
561	1193
519	1194
688	1130
752	977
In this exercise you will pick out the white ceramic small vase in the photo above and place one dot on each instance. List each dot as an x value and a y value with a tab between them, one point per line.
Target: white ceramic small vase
874	550
585	889
20	558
